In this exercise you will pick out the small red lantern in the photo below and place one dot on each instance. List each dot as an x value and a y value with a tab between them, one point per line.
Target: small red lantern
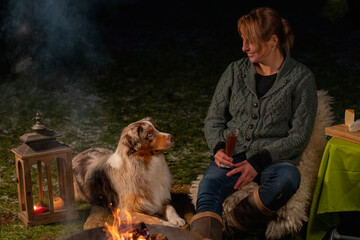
44	177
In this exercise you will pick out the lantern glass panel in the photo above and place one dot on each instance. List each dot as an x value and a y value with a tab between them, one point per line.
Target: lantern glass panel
60	182
39	184
21	188
54	177
44	183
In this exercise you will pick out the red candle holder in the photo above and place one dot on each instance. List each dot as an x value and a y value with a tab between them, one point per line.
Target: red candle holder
39	209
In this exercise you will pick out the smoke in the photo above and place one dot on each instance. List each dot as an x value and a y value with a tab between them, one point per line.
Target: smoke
51	50
47	35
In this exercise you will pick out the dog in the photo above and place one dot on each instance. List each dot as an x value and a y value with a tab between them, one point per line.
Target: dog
135	177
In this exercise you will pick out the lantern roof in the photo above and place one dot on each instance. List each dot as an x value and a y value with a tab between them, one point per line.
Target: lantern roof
41	142
39	135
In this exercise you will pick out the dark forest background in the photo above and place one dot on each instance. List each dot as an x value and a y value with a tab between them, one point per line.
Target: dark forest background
43	38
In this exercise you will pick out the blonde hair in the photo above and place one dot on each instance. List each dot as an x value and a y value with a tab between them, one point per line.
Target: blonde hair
261	23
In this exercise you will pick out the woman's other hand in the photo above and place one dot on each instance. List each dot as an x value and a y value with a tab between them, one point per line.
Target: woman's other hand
222	158
248	173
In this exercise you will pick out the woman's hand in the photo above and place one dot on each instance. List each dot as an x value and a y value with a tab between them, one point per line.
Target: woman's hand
221	157
248	173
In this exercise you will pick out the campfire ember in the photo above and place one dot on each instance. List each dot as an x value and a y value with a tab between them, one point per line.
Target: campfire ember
124	229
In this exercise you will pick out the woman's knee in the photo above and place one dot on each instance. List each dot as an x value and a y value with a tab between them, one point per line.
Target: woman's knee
209	183
290	177
216	182
281	181
281	177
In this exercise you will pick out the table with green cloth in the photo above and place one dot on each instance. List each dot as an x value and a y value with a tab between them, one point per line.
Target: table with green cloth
337	188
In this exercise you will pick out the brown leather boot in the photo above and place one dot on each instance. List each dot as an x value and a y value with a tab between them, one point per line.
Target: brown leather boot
249	215
207	224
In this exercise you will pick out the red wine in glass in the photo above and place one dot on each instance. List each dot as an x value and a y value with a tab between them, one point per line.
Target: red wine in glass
231	138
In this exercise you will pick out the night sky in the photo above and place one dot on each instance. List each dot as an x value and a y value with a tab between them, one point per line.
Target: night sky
39	37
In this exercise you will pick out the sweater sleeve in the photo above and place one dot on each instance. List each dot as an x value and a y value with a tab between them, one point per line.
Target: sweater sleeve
304	107
260	160
218	114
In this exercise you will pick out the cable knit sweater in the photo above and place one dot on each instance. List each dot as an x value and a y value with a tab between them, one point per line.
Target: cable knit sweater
277	125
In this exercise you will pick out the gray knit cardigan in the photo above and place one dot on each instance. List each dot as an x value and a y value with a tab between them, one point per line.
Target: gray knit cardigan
280	122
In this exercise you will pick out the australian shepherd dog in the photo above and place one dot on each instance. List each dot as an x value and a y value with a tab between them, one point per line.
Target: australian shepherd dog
135	177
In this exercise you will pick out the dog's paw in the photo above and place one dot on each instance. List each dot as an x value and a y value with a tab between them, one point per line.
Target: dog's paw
179	222
172	217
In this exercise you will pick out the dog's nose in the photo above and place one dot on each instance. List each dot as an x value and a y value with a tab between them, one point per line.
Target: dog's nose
171	138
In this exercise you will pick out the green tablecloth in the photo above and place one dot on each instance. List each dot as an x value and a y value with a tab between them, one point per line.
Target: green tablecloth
337	188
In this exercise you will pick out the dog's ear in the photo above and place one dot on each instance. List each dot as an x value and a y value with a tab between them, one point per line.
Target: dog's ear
151	120
132	139
140	131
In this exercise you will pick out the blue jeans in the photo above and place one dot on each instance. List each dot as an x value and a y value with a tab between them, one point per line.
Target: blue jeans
278	183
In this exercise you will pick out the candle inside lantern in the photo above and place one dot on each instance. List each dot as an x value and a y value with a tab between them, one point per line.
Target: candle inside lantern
39	209
58	203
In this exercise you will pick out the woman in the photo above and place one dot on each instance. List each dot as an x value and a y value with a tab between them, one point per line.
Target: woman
271	100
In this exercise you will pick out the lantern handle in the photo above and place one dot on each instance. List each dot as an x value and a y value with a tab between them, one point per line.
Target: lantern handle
38	124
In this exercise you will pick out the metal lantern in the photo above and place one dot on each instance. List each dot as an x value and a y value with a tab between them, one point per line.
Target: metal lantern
44	177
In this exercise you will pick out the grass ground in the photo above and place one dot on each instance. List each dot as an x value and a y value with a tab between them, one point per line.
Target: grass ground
164	69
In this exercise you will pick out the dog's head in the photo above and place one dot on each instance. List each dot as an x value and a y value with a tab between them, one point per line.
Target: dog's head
143	138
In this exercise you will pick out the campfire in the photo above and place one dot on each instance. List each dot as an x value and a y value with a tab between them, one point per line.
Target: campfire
133	226
123	227
136	232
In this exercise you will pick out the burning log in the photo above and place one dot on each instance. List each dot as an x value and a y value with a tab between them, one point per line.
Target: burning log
136	232
157	232
128	232
99	234
157	237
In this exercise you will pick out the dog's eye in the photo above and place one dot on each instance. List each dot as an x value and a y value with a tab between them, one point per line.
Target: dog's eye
150	134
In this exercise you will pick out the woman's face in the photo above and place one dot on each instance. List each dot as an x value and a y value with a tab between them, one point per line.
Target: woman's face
251	50
255	54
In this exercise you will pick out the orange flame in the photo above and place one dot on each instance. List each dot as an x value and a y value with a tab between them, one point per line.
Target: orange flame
117	231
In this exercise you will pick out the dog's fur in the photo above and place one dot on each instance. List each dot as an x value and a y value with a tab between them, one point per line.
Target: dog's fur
135	177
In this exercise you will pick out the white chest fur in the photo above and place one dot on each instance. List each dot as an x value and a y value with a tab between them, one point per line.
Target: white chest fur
159	178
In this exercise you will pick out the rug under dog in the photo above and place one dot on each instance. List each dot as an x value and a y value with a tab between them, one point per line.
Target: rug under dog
180	200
